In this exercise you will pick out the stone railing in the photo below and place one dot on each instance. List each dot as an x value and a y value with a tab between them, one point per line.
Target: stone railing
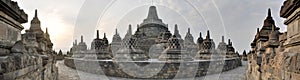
18	66
169	70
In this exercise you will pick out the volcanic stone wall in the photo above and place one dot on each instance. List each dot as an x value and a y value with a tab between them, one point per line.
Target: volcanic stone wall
17	60
283	61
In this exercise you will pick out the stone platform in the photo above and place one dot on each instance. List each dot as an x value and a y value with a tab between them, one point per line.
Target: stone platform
153	69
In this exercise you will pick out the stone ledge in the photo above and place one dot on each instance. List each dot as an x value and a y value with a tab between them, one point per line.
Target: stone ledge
17	73
12	9
293	18
288	7
10	21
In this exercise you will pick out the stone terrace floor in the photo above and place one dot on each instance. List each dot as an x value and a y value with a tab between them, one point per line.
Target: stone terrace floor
66	73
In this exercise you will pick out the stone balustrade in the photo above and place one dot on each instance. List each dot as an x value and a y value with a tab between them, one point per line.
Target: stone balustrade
166	70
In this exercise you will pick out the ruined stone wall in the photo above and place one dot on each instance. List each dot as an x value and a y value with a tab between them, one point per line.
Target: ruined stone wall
282	62
168	70
17	61
283	66
24	67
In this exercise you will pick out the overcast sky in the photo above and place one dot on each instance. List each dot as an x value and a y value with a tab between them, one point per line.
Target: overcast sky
67	20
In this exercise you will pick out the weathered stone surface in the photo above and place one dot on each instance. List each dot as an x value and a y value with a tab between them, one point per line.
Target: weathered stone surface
21	58
18	47
4	52
274	55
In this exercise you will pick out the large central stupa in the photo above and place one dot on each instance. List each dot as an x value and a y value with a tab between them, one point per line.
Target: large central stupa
152	25
150	29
